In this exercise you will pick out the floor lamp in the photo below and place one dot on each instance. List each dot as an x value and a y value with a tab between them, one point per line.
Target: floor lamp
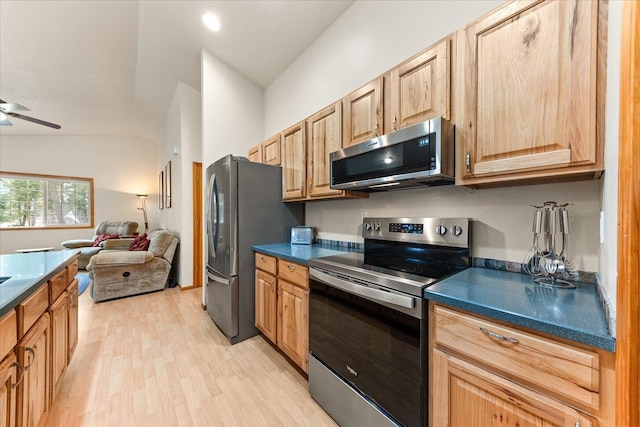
142	198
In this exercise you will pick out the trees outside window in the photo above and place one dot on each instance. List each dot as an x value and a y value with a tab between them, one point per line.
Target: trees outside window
36	201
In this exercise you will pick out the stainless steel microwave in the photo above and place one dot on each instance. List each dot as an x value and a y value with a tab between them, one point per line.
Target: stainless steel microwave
419	155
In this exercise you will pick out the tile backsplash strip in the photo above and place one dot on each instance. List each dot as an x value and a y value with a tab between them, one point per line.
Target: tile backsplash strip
340	244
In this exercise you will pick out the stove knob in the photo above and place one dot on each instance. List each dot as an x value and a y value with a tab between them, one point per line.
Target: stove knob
456	230
441	230
367	226
376	227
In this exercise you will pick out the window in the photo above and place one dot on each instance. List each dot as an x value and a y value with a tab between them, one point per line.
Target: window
38	201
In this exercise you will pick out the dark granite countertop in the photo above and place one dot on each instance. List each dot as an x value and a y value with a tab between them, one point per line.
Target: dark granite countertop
301	253
573	314
27	272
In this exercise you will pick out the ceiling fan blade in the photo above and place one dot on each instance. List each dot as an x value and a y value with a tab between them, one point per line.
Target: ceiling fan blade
8	107
34	120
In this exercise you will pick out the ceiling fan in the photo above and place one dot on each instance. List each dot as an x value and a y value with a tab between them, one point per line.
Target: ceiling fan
8	109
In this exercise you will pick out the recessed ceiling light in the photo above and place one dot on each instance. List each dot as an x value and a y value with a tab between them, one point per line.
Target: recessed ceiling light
211	21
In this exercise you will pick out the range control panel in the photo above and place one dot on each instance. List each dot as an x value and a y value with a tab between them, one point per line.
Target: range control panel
433	231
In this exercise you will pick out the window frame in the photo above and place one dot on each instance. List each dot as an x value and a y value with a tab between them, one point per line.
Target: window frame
44	177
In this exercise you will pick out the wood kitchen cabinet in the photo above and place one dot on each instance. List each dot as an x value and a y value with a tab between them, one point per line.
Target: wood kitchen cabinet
59	314
282	306
324	135
530	93
10	373
34	355
363	113
293	311
72	334
490	372
294	162
266	295
267	152
419	89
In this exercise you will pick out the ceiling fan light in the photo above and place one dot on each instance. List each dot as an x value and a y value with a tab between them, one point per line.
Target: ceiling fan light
4	120
211	21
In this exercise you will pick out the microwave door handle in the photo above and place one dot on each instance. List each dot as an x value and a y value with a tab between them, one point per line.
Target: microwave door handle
371	293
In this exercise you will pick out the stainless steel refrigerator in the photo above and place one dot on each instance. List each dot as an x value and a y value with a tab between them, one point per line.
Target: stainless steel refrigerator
244	208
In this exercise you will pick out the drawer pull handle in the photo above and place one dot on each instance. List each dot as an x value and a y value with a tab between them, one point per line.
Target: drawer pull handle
493	335
291	267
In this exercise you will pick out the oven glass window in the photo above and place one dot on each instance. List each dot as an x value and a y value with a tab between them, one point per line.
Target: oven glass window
372	347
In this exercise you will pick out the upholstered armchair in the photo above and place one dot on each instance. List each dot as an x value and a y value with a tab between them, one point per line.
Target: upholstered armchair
118	272
105	228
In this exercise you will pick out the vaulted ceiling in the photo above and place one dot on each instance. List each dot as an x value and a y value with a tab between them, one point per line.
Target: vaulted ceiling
111	67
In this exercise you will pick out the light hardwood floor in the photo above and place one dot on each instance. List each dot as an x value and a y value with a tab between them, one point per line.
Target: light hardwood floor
158	360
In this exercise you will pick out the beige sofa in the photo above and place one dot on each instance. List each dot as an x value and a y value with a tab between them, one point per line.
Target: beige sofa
117	272
87	250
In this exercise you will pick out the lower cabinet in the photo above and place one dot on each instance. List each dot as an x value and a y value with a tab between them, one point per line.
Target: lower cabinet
469	395
293	329
282	306
9	371
72	338
33	392
488	373
59	312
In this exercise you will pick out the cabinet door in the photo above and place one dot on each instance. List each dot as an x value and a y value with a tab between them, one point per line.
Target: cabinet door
271	150
324	135
293	334
59	312
72	336
294	162
266	310
363	113
8	378
470	396
528	92
419	88
255	154
33	392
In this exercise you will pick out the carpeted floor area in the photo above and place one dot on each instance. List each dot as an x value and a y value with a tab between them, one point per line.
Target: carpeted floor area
83	282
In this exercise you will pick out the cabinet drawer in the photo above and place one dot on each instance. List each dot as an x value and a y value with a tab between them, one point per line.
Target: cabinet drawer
266	263
30	309
8	333
294	273
560	369
57	285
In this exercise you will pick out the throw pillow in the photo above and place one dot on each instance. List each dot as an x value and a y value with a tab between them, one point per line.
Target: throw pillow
140	243
102	237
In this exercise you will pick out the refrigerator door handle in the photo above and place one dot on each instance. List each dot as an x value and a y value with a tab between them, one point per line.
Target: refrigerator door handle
210	234
218	279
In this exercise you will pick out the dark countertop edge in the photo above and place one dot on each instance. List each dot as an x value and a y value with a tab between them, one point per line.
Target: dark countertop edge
604	342
265	250
40	281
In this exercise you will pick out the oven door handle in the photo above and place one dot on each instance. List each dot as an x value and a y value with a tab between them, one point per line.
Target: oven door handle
371	293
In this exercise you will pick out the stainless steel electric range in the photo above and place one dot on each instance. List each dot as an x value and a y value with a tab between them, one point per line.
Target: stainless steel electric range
368	324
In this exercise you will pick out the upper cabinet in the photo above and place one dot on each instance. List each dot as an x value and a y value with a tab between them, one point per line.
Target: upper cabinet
363	114
294	162
419	89
528	103
324	135
266	152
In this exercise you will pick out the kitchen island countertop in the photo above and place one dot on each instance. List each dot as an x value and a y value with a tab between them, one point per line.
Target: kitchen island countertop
301	253
27	272
573	314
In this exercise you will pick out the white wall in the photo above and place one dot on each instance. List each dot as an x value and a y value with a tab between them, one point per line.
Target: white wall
120	167
181	146
232	111
352	52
